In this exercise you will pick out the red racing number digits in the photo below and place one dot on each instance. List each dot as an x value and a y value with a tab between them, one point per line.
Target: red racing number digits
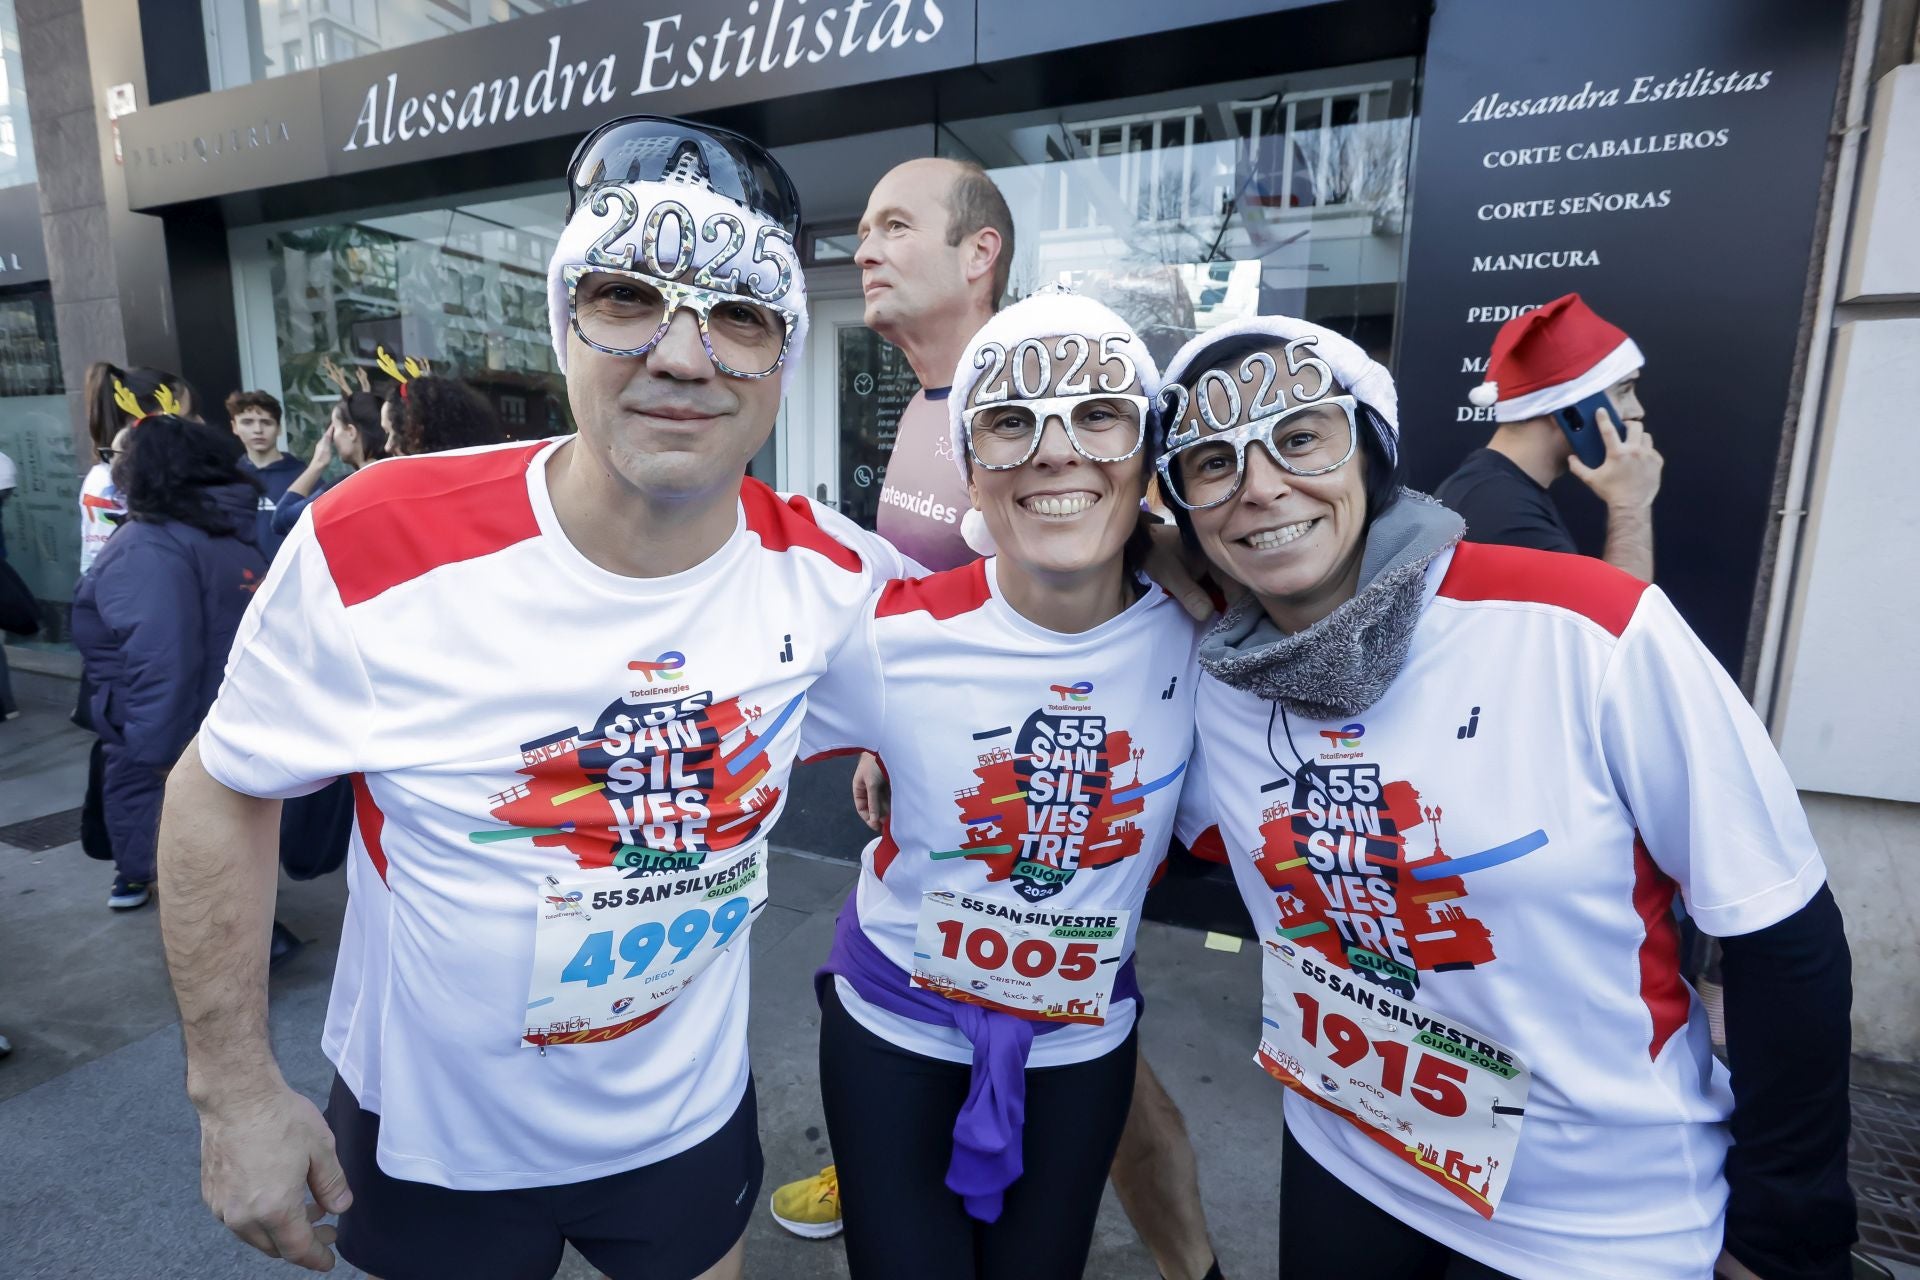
987	948
1436	1081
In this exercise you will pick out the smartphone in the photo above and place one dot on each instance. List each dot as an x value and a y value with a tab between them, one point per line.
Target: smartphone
1581	423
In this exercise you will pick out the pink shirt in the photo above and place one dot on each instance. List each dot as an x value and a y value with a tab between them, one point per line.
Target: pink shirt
924	496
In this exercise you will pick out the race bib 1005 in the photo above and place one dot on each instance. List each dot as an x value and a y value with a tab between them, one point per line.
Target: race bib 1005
1044	966
611	952
1441	1096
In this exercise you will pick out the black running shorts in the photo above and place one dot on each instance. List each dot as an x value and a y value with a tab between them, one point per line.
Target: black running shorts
666	1221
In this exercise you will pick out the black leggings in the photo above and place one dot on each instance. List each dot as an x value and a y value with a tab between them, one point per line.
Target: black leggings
1329	1229
890	1116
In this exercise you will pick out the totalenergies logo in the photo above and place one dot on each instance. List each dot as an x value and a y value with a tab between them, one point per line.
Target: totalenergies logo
668	667
1347	736
1073	692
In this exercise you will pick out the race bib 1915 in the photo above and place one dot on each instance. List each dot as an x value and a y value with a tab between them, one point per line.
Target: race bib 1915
1441	1096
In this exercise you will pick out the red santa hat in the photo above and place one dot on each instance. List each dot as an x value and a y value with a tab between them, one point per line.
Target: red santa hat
1551	357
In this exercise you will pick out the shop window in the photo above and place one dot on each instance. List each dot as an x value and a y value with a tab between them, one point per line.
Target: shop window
16	135
1186	210
41	519
830	245
464	288
244	35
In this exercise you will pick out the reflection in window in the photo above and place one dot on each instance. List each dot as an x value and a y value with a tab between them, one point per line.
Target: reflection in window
42	529
16	137
464	288
1190	209
250	40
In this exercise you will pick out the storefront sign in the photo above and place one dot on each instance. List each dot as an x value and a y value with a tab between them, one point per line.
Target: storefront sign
1667	168
258	135
548	75
23	254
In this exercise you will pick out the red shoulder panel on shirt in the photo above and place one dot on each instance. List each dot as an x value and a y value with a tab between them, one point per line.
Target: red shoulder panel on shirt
395	522
782	526
944	595
1592	588
1661	988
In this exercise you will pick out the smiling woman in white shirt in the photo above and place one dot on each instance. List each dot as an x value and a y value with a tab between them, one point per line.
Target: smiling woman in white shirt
1033	713
1460	786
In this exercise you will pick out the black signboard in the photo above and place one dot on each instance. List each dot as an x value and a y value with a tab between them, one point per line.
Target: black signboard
256	135
543	76
1664	161
23	252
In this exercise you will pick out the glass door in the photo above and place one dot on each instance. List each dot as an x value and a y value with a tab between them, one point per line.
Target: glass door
825	412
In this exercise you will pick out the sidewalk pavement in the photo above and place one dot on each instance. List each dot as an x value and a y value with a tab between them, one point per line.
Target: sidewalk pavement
99	1150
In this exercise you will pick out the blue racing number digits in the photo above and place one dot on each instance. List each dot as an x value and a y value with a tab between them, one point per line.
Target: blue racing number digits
641	945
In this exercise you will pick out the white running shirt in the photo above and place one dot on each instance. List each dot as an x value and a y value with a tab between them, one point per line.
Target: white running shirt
429	629
100	506
951	688
1557	756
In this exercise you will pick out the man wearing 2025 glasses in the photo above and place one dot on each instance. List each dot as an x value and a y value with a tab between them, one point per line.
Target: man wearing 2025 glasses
539	1013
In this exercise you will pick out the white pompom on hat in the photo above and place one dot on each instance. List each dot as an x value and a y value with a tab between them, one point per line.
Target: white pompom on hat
1050	313
974	532
586	227
1363	377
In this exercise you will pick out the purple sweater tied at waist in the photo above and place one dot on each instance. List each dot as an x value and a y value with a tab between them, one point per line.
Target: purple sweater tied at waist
987	1132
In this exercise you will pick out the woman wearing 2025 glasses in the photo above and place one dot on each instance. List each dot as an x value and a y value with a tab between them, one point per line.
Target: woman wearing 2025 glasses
1033	712
1460	786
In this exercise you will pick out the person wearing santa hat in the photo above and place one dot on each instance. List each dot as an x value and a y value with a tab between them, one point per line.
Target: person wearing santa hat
1544	361
625	627
1460	785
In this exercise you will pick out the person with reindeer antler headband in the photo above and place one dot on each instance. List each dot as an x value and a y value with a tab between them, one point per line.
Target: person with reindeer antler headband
1460	785
355	433
423	413
118	398
539	1019
1033	714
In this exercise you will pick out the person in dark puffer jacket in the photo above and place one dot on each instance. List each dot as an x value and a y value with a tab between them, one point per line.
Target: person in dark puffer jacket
155	617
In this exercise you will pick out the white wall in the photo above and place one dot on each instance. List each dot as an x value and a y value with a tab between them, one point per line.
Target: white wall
1848	718
1872	847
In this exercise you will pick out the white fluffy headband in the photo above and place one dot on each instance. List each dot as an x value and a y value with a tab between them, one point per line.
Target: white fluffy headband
1363	376
777	251
1043	315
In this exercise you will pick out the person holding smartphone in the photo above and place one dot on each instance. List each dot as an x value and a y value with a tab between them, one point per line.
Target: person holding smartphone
1563	385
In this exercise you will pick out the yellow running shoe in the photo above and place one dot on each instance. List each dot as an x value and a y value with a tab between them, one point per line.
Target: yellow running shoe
811	1206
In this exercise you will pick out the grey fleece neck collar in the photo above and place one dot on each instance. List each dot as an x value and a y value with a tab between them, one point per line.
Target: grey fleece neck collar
1343	664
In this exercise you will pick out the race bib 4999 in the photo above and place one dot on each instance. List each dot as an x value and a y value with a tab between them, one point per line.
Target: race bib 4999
611	952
